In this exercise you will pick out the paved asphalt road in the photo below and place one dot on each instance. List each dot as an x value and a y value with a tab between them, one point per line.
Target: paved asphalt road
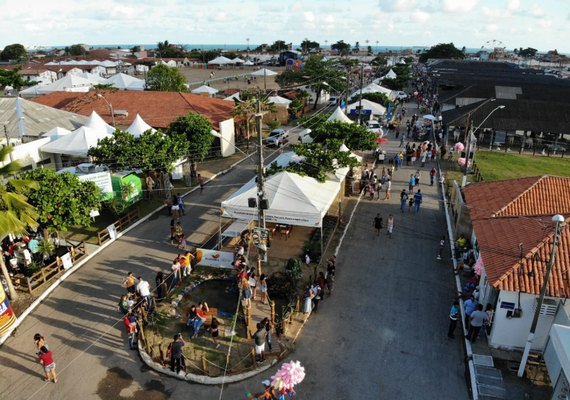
381	336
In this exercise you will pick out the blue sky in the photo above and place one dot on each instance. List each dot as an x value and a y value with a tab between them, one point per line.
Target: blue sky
544	25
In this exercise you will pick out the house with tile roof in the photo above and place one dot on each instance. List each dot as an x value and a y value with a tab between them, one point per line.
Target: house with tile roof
513	232
158	109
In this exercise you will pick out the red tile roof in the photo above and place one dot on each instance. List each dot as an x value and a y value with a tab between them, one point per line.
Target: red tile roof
513	223
158	109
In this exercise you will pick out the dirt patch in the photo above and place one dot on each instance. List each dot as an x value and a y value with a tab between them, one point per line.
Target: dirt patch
118	384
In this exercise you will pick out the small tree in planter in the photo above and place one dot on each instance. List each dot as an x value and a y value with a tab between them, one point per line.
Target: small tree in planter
46	248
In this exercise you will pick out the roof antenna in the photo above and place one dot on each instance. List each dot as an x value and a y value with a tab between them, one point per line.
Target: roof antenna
521	247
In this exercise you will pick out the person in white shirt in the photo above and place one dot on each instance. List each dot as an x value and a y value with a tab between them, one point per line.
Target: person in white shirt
143	288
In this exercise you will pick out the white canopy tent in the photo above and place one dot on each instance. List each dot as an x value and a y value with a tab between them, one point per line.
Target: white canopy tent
56	132
248	63
236	228
293	199
98	123
238	60
377	109
77	143
220	60
391	74
233	97
279	101
339	116
95	78
264	72
372	88
125	82
205	89
69	83
138	127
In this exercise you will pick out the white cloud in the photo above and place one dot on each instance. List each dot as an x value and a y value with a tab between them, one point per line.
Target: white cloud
459	6
309	16
513	5
492	12
220	17
420	16
398	5
492	28
123	12
545	23
537	11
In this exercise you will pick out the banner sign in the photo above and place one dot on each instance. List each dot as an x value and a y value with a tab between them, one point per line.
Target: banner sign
214	258
355	111
67	261
7	316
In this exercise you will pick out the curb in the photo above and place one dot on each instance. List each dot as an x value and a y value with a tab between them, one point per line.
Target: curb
58	281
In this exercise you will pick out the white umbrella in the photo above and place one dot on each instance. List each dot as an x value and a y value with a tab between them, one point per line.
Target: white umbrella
264	72
430	117
204	89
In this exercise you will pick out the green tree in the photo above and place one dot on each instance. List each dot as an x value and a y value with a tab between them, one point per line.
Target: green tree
319	160
77	50
341	47
318	74
442	50
169	50
166	79
529	52
16	214
12	77
14	52
62	200
150	151
246	107
309	46
354	136
277	46
197	130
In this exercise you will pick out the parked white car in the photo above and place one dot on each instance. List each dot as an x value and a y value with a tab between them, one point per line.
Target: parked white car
375	126
277	138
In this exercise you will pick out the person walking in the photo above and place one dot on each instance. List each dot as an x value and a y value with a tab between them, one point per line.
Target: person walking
39	342
175	350
259	342
215	331
469	307
388	189
453	315
432	176
477	319
180	201
411	183
390	226
403	199
263	287
46	359
441	248
377	224
143	289
130	283
201	183
418	197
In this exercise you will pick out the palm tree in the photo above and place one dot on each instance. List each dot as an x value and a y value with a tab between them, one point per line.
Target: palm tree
16	214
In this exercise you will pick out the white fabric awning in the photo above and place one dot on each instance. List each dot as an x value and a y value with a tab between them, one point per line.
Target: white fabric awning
339	116
377	109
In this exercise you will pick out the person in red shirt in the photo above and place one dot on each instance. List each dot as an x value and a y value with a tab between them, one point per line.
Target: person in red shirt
46	359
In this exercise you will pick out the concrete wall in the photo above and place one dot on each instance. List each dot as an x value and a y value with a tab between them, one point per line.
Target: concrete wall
512	333
227	142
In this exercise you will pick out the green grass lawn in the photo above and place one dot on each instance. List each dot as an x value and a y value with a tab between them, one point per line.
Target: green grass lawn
495	165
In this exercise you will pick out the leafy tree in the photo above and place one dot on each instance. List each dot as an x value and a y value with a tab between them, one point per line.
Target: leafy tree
62	199
369	50
196	129
442	50
167	79
529	52
150	151
16	214
246	107
314	120
77	50
320	160
14	52
342	47
168	50
379	61
309	46
318	74
354	136
377	97
356	47
12	77
278	45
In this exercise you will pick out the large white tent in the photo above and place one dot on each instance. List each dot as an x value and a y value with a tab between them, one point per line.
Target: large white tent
98	123
56	132
69	83
339	116
233	97
264	72
377	109
372	88
220	60
293	199
138	127
125	82
77	143
391	74
205	89
279	101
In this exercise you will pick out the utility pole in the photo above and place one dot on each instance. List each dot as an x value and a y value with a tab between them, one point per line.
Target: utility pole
360	97
559	220
467	149
260	187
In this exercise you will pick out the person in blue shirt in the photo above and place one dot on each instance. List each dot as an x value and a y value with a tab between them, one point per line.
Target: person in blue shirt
180	201
453	315
469	306
417	200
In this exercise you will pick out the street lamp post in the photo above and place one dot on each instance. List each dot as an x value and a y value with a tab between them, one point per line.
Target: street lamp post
110	107
559	220
469	136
